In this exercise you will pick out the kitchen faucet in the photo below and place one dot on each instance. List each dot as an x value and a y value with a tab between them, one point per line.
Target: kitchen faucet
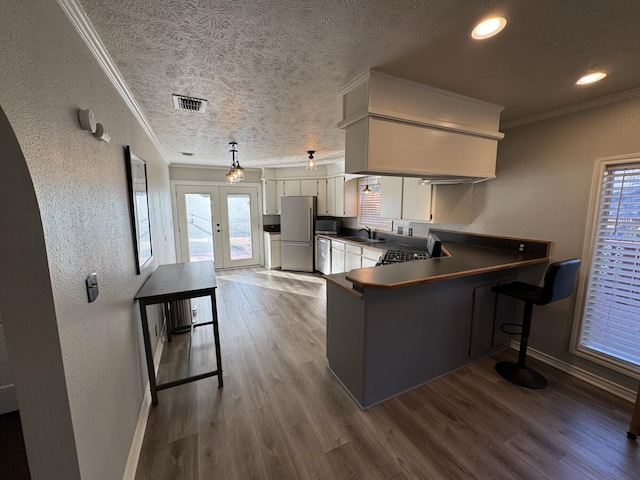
366	229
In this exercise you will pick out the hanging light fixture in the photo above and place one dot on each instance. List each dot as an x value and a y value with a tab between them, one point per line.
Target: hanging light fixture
366	190
311	163
236	172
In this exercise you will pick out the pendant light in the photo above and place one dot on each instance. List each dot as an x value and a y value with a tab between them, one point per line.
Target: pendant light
311	163
366	190
236	172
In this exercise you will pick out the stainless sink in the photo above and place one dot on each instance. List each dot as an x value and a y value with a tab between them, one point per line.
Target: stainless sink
360	239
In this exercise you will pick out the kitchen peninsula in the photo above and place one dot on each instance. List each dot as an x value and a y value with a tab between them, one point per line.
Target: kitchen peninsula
392	328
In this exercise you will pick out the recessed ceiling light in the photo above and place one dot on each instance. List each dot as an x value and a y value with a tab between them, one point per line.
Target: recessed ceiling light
591	78
488	28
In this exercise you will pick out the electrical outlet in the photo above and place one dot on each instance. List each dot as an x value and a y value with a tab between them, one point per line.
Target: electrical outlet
521	248
410	232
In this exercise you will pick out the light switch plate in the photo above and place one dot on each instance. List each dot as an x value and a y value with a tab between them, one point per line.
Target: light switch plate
92	286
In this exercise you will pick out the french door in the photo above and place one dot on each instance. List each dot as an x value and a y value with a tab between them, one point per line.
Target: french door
218	223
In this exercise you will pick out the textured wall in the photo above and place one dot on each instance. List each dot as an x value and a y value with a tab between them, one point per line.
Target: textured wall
542	190
47	75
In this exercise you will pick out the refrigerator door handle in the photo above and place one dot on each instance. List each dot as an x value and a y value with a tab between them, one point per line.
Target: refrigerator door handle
310	231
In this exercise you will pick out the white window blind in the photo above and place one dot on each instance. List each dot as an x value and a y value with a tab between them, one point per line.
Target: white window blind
611	315
369	210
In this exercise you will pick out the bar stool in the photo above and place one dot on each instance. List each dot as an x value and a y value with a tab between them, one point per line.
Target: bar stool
558	284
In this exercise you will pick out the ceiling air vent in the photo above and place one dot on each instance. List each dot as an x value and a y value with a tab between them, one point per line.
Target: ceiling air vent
188	154
190	104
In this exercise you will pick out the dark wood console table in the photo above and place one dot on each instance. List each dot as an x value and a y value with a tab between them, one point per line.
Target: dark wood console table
179	281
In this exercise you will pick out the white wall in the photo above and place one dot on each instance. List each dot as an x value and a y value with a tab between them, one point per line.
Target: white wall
542	191
92	353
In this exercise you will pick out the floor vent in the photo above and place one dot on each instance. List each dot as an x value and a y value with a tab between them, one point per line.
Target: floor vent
190	104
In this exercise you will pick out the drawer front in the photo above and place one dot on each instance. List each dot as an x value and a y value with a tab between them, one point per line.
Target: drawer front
354	249
372	253
337	245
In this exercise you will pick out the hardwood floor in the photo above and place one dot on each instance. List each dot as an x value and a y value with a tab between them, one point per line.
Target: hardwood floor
282	415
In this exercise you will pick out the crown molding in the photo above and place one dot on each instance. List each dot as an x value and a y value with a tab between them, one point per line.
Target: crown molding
578	107
83	25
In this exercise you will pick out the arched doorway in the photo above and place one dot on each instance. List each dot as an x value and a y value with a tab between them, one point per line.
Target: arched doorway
29	319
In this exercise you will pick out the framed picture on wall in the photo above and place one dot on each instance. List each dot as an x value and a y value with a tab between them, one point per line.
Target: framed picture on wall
139	206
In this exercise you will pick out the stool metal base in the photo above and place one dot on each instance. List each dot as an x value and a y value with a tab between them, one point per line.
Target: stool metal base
523	376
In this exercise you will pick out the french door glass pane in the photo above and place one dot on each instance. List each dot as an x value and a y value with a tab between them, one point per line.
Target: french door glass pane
199	226
239	209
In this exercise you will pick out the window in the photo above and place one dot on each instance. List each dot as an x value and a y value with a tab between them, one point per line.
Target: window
610	323
369	204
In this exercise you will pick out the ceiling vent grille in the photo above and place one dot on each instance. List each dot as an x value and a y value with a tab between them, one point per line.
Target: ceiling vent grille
190	104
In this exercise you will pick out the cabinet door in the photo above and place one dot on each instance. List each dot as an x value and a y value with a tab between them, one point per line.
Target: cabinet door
372	254
309	187
291	188
322	197
279	195
391	197
337	256
269	198
416	200
350	207
331	196
367	262
267	250
276	255
352	261
337	261
339	197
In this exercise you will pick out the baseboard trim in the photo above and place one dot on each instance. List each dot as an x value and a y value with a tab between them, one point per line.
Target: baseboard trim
143	416
584	375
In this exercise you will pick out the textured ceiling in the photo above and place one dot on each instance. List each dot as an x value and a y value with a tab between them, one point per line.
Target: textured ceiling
272	70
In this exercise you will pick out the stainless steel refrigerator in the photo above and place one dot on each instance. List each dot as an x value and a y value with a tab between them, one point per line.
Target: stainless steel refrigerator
297	221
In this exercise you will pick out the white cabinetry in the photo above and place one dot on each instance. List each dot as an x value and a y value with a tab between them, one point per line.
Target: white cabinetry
416	200
309	187
331	196
391	197
322	197
269	198
406	199
370	256
337	256
316	188
337	196
286	188
397	126
353	257
342	197
272	256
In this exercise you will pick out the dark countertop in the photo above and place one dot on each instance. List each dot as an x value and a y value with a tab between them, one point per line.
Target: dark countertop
469	254
380	245
464	260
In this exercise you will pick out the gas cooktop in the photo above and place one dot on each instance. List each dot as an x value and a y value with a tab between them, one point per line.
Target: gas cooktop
399	256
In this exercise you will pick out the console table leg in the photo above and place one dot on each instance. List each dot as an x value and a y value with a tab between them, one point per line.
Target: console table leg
148	353
216	338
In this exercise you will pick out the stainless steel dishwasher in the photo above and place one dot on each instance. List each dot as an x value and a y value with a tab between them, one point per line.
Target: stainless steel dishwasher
323	255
